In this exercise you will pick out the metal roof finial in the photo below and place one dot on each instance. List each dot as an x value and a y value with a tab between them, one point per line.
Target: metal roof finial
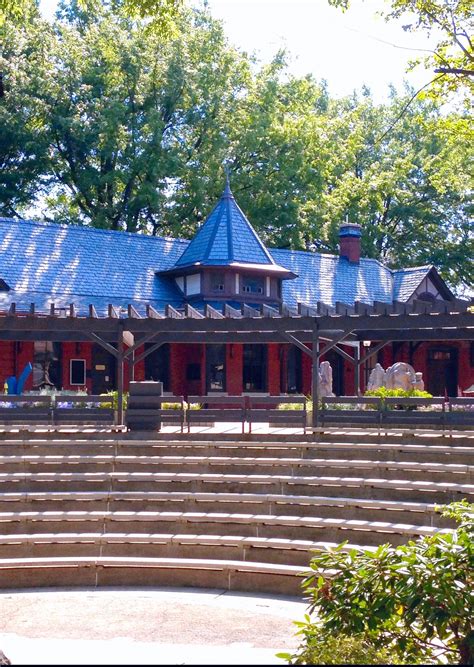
226	165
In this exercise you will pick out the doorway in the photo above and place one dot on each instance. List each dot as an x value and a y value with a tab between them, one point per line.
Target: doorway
215	368
442	371
104	370
337	365
157	365
294	367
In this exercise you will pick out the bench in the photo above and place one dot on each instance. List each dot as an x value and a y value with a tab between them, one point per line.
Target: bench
216	409
83	409
20	409
404	411
371	415
460	412
266	409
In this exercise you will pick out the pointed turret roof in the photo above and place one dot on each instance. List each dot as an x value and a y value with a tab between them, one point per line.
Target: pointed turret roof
227	238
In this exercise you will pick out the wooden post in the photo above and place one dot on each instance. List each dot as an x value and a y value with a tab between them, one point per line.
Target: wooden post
131	366
357	371
120	378
315	376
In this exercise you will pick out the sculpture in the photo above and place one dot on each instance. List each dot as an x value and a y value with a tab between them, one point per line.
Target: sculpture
400	376
376	378
419	384
325	379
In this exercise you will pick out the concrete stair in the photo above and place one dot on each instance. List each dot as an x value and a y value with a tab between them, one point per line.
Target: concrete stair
240	513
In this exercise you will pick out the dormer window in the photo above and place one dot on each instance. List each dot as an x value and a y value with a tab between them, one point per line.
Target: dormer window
217	280
426	296
253	285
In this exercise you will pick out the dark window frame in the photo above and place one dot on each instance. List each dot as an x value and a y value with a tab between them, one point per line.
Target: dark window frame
255	367
216	356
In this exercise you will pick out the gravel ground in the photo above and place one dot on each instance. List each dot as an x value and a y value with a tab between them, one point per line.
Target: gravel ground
146	626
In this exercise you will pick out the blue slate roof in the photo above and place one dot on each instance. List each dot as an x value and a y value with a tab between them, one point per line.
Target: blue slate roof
226	237
49	263
44	262
405	281
331	278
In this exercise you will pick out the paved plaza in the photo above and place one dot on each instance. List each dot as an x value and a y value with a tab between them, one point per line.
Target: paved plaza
146	626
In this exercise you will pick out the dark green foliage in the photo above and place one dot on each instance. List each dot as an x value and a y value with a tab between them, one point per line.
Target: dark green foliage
414	601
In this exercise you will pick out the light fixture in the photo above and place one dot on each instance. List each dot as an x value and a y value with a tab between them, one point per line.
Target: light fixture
366	343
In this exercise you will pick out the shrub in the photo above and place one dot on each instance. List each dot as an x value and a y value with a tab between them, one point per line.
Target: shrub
413	601
114	394
353	650
383	392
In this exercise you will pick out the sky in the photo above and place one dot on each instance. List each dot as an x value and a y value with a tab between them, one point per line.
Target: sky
348	49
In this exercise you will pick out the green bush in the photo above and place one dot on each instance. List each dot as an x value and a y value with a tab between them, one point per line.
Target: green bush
114	394
413	602
353	650
383	392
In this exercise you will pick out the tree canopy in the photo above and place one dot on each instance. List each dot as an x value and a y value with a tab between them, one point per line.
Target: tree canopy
105	123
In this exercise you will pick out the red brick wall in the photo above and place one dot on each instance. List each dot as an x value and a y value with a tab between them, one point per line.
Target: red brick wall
140	366
7	361
25	355
274	369
234	369
180	356
466	371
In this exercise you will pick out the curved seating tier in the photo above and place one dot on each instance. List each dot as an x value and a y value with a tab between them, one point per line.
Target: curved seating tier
116	509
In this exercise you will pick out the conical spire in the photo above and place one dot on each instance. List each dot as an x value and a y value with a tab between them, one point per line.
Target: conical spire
226	237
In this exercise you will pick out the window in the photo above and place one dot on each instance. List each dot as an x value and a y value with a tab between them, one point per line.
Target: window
440	355
193	284
252	285
157	365
217	281
294	370
426	296
77	371
255	368
215	367
47	365
193	372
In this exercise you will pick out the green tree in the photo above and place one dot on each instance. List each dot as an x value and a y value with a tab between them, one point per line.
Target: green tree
409	187
105	123
413	601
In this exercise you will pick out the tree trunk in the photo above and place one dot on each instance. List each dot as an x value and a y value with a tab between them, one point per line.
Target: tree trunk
466	649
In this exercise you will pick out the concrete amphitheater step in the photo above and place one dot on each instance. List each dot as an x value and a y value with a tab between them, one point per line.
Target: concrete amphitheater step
331	486
215	523
429	452
151	445
122	571
165	545
237	465
328	434
258	503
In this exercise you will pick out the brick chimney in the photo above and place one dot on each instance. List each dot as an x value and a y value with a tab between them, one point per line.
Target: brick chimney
349	241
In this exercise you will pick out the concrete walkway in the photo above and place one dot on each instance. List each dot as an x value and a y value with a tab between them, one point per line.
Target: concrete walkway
146	626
